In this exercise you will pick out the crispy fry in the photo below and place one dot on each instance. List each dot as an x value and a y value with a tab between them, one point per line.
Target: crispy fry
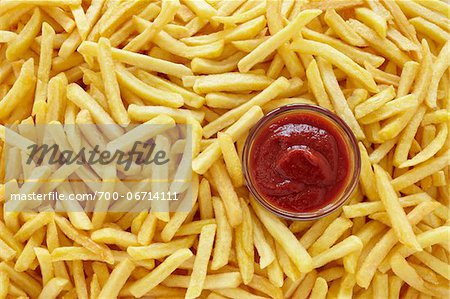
335	57
271	44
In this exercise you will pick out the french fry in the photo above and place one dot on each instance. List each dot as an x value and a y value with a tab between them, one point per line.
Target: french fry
373	20
374	102
383	46
61	17
383	77
415	9
367	208
368	267
320	289
18	46
223	241
69	253
191	99
380	283
417	173
316	85
341	249
212	281
148	93
227	193
271	44
204	250
401	41
407	273
83	100
430	29
440	66
330	235
80	238
232	161
337	98
117	279
343	29
391	108
396	214
168	10
117	15
430	150
347	284
433	263
30	227
244	245
4	284
111	86
266	254
46	2
147	62
205	200
193	228
306	285
23	85
80	20
148	282
286	55
53	288
284	236
7	253
435	117
27	256
335	57
106	63
45	61
264	286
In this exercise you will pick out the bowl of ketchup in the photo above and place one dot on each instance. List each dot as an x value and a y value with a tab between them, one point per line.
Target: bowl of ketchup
301	162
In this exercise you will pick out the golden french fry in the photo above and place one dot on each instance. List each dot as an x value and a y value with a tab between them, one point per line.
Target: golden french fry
148	282
111	86
343	29
18	46
396	213
337	97
117	279
168	10
204	250
368	267
209	155
354	53
144	61
384	46
227	193
284	236
440	66
429	29
23	85
271	44
53	288
373	20
331	234
375	102
148	93
317	86
224	236
335	57
417	173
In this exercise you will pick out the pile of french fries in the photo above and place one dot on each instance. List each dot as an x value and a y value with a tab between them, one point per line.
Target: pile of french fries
219	66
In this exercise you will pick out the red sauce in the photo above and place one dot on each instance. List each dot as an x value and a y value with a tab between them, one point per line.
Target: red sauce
299	162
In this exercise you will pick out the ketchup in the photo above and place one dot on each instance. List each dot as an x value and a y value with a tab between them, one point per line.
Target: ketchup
299	162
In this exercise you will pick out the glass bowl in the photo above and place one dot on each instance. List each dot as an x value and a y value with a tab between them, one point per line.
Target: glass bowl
353	153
